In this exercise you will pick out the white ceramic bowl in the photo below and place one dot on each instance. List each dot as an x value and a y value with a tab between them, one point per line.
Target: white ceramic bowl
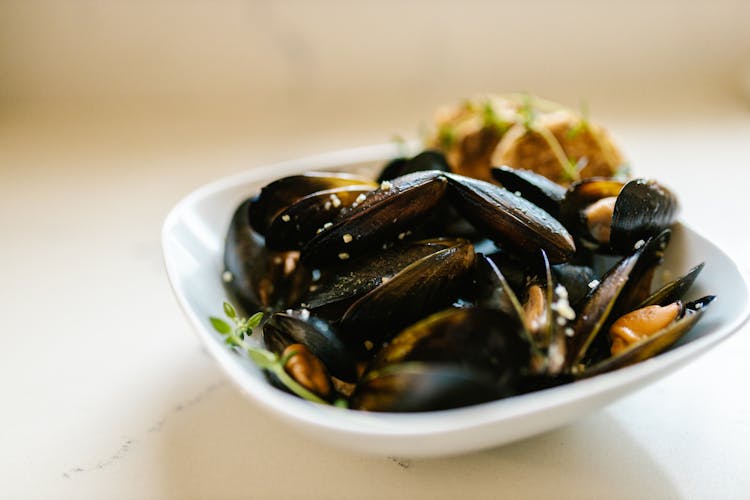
193	240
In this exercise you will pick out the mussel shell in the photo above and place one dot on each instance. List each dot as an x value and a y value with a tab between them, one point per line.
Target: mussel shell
350	279
575	279
258	277
509	219
281	193
672	291
426	160
600	301
536	188
413	387
643	209
654	344
493	289
422	287
475	338
298	327
298	223
387	211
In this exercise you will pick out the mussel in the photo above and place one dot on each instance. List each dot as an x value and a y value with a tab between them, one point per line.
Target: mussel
260	278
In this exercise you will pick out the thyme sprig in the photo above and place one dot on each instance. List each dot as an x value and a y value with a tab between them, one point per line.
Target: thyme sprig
235	337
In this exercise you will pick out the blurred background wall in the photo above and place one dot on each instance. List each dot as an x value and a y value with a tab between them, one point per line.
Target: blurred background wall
300	55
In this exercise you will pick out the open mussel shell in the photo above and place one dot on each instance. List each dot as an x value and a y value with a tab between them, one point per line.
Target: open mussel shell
601	300
673	290
581	195
509	219
413	387
654	344
386	212
536	188
298	223
426	160
320	337
422	287
281	193
257	277
476	338
643	209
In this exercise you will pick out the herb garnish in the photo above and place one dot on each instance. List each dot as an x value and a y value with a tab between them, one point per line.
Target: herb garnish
266	360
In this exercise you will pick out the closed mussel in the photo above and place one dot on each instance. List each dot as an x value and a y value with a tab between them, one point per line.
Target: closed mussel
413	387
283	192
536	188
475	338
298	223
338	286
383	215
510	220
424	286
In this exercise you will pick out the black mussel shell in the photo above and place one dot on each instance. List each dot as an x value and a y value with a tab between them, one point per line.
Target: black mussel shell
256	276
643	209
576	280
426	160
425	286
534	187
601	300
493	289
474	338
509	219
654	344
672	291
386	212
299	327
413	387
281	193
345	282
302	220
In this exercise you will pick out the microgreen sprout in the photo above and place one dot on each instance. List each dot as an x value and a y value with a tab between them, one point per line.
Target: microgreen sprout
492	119
235	337
446	136
583	123
527	112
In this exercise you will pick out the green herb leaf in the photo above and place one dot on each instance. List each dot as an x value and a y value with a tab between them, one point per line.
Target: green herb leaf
233	341
220	325
341	403
229	310
254	320
261	357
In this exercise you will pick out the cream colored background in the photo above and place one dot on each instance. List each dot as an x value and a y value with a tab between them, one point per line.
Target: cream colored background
111	111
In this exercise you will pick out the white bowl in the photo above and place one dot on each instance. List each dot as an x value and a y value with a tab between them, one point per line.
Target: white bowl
193	240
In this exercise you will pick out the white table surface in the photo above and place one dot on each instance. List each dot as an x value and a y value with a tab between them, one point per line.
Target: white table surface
107	394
